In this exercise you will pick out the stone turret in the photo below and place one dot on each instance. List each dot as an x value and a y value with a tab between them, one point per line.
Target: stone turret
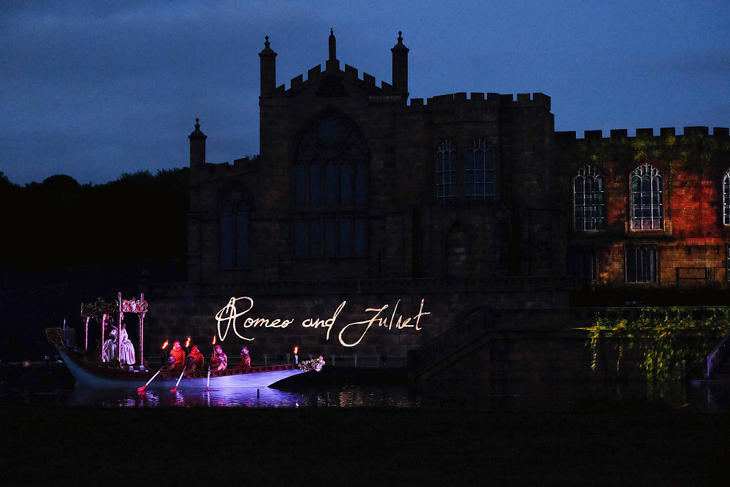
197	146
332	63
268	69
400	66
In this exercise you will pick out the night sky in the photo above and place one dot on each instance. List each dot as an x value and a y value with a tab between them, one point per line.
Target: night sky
96	89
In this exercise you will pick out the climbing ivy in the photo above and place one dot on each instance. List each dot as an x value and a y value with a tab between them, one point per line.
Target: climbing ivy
669	341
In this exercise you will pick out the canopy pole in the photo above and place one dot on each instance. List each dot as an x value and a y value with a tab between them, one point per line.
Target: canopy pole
86	334
119	331
103	330
141	332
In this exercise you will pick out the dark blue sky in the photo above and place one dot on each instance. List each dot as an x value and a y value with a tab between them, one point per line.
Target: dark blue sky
95	89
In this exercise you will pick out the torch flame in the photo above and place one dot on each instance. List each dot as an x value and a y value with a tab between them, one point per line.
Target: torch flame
164	345
296	350
213	339
187	342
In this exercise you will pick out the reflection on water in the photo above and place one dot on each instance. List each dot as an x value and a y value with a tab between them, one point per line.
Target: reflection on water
714	397
340	396
42	386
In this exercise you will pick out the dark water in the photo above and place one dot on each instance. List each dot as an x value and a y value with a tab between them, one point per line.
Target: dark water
44	386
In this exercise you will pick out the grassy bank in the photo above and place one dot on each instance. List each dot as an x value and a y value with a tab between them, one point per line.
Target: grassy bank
357	446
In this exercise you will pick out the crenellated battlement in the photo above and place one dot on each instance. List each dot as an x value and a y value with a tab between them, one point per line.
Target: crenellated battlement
526	100
316	73
642	133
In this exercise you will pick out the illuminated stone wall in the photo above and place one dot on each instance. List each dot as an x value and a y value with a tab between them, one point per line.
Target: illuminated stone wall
692	247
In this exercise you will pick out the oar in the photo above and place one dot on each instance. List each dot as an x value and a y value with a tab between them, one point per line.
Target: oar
207	385
140	390
178	380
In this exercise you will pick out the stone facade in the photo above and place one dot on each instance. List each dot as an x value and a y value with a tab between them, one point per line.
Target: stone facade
360	195
689	242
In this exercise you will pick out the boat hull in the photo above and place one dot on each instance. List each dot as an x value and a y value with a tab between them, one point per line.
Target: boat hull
101	377
86	378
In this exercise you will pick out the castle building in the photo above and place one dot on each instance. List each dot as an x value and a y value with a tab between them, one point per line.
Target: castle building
469	202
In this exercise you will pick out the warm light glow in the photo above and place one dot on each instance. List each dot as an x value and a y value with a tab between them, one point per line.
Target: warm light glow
296	350
164	345
213	340
187	342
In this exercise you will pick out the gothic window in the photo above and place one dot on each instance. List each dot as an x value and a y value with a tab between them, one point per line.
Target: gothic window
641	264
726	198
233	234
588	200
479	175
331	191
445	170
646	199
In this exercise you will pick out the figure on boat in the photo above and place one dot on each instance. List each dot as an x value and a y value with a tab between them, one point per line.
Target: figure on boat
109	349
219	360
245	358
195	361
176	362
126	350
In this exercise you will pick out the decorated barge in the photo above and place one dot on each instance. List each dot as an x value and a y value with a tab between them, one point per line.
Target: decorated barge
101	372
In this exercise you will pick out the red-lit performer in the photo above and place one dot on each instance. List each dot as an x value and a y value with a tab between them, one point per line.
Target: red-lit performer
219	360
177	358
195	361
245	358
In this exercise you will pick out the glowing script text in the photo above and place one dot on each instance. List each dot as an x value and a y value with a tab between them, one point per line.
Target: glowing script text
350	335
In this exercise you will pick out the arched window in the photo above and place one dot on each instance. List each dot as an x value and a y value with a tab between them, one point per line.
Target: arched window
726	198
479	175
331	190
445	170
588	200
646	199
233	225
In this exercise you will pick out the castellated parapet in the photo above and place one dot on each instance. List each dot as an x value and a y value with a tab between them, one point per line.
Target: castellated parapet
642	133
522	100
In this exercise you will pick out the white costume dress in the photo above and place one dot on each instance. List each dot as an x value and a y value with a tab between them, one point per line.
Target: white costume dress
109	350
126	355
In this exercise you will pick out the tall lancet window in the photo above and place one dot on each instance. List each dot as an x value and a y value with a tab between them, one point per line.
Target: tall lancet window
479	175
445	170
233	226
588	200
646	199
726	198
331	190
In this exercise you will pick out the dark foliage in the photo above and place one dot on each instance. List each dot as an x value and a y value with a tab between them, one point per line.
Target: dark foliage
64	243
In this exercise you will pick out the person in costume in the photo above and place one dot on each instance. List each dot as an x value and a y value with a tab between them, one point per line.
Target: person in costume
126	350
245	358
219	360
195	360
176	361
109	349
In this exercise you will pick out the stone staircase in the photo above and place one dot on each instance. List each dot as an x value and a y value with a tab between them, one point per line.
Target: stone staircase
470	332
